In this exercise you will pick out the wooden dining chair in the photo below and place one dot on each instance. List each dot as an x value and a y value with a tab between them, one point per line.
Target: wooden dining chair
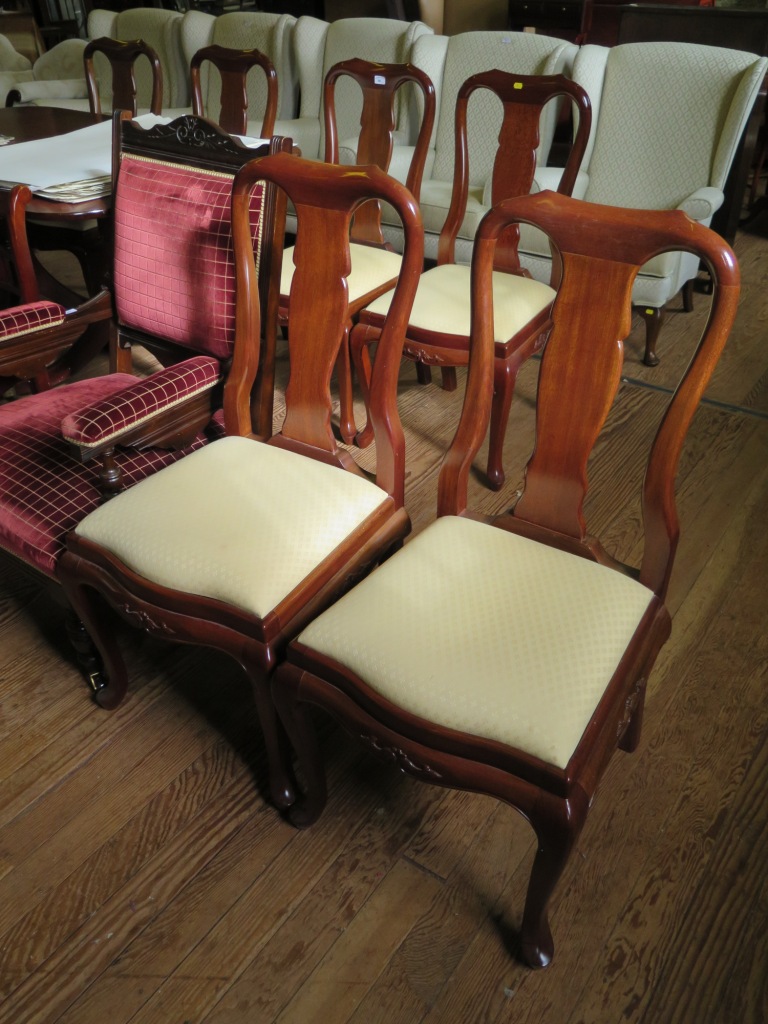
438	332
375	266
122	57
238	545
509	655
233	67
66	450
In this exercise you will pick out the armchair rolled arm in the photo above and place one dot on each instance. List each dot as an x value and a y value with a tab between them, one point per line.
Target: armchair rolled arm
29	318
139	413
701	204
61	89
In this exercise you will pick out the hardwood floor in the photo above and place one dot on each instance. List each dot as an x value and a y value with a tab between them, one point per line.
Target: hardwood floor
143	877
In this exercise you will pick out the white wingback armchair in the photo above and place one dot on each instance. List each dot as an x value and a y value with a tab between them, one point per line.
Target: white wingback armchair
59	76
666	122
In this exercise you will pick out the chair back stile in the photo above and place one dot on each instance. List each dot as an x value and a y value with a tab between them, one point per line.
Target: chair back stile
380	85
233	67
122	57
584	358
514	166
319	300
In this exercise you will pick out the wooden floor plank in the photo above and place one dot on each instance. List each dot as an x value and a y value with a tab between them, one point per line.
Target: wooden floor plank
143	878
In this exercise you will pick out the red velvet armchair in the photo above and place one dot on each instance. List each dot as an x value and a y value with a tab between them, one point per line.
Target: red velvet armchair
64	450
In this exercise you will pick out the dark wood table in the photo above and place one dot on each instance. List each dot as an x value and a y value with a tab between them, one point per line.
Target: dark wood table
27	124
53	218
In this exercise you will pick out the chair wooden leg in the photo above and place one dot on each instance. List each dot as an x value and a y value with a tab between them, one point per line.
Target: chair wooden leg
307	808
557	823
96	624
423	373
448	374
654	318
88	659
504	378
688	295
281	783
360	340
347	426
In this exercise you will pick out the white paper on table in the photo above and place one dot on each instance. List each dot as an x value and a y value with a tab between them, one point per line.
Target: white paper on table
72	167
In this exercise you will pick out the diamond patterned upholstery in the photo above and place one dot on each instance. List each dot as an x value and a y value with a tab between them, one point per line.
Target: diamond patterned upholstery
545	703
288	538
668	118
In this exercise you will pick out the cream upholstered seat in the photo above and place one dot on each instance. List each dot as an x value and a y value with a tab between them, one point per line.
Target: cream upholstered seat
449	599
668	118
372	268
508	655
284	515
441	302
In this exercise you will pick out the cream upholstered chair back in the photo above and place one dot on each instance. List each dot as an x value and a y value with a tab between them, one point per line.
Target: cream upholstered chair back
161	29
244	30
522	53
667	121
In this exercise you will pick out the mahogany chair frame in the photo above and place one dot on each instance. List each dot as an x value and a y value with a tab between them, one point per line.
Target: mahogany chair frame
522	98
233	67
380	84
601	249
122	56
325	198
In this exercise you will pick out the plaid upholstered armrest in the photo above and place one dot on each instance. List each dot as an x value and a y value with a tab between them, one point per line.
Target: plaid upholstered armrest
165	409
64	89
29	318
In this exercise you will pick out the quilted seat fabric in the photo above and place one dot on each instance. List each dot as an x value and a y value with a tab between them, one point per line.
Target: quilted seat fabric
44	488
525	638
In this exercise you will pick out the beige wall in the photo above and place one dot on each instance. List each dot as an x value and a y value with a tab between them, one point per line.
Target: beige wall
460	15
465	15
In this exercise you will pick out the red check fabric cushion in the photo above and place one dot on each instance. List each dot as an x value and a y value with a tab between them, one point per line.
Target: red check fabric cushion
162	390
44	489
28	318
174	266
